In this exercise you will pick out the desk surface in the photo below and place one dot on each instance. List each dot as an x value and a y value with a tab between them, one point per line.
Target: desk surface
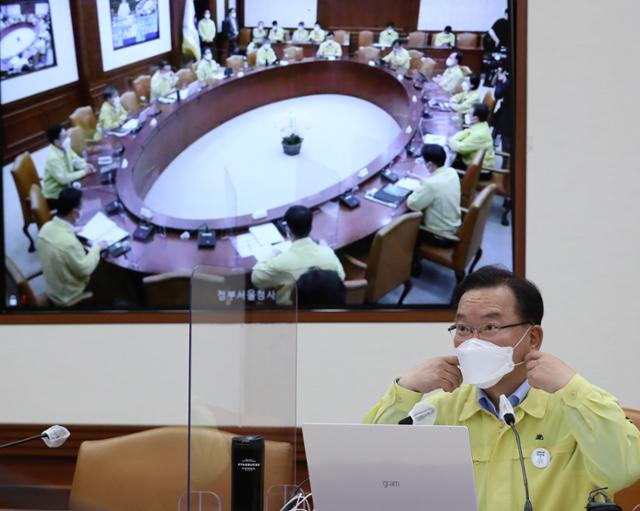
152	149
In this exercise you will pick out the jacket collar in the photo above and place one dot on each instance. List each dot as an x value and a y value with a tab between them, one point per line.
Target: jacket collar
535	404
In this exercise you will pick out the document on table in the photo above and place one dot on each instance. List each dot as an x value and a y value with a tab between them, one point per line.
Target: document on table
409	183
247	245
266	234
100	228
430	138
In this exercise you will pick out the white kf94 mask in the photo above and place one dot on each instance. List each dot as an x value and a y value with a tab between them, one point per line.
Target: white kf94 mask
484	364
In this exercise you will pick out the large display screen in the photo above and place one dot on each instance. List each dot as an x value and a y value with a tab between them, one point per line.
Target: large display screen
26	38
209	180
134	22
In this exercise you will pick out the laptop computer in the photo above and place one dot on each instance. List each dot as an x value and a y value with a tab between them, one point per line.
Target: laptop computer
390	467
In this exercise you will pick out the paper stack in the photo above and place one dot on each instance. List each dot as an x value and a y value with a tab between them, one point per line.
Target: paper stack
100	228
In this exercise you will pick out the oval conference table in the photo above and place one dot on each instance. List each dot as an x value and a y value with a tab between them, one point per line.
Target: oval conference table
152	149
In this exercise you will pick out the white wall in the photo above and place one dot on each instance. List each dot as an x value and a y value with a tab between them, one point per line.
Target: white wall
288	13
475	15
582	249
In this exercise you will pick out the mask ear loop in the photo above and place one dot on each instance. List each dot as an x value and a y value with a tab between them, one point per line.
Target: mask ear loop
518	343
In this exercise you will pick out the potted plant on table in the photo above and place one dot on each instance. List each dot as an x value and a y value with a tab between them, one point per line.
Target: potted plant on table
292	126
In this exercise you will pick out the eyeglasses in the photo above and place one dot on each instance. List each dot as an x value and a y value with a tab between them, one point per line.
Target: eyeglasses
488	331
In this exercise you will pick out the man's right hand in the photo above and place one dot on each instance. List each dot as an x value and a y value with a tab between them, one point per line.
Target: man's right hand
437	373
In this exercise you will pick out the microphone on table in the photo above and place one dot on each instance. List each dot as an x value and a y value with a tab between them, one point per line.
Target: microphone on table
509	417
422	414
53	437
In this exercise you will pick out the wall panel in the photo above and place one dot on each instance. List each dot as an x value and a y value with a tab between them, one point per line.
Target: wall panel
368	13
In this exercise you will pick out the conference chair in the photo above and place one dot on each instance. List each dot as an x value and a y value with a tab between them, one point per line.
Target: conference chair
470	179
130	101
490	101
293	53
24	175
26	293
236	63
367	54
365	38
84	118
40	211
342	37
252	58
147	471
142	87
501	179
185	77
416	61
244	38
78	139
388	264
629	498
467	40
428	67
356	291
174	289
467	241
416	40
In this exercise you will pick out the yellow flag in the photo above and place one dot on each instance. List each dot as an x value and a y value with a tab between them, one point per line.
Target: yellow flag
190	38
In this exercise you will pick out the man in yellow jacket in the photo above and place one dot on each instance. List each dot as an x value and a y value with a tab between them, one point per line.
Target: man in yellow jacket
266	56
575	437
276	34
473	139
112	113
451	79
207	28
317	34
258	33
66	266
398	58
388	35
63	165
207	68
445	39
282	271
301	35
464	101
163	81
330	48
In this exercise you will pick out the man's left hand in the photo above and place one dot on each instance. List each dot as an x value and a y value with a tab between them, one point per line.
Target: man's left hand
546	372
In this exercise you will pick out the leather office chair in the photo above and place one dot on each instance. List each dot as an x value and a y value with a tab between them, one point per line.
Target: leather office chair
84	117
629	498
368	54
356	291
147	471
468	241
416	40
292	53
244	38
470	179
78	139
142	87
26	293
342	37
24	175
185	77
467	40
130	101
252	57
389	260
235	62
173	289
365	38
501	178
490	101
40	211
416	61
428	67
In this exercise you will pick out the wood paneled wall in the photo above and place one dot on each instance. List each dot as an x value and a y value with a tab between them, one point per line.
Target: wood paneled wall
24	122
368	13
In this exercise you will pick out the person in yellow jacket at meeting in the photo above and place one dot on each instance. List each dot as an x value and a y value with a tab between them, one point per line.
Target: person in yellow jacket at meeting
445	39
63	165
452	78
163	81
283	270
266	56
66	266
317	35
464	101
388	35
473	139
398	58
438	197
330	48
301	35
276	34
575	437
259	33
207	68
112	113
207	28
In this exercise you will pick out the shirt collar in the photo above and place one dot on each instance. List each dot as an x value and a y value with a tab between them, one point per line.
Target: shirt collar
303	241
64	223
515	399
535	403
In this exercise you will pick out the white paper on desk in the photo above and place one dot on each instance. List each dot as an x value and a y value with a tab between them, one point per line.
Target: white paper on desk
430	138
409	183
119	132
131	124
248	246
266	234
100	228
167	100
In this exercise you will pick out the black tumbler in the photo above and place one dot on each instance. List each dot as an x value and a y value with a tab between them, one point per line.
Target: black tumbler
247	479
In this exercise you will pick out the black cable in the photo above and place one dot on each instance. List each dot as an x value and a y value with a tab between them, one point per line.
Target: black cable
527	503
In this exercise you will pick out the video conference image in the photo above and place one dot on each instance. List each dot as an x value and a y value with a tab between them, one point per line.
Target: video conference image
297	157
